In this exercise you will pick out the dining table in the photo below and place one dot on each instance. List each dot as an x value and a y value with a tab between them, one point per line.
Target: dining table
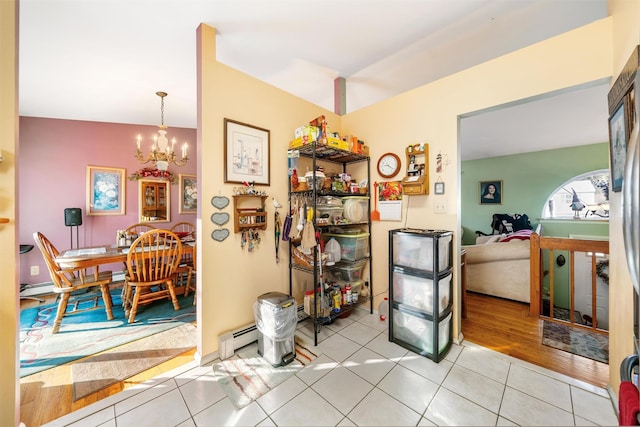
94	256
99	255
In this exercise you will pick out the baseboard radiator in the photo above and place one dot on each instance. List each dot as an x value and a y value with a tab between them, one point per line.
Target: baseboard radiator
230	341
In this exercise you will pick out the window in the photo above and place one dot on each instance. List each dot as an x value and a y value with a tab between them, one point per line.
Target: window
585	196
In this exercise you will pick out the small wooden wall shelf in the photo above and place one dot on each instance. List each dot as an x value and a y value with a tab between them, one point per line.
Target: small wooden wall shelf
417	180
249	212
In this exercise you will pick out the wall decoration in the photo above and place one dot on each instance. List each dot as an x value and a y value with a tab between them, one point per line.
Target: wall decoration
246	153
438	188
152	173
220	235
188	194
220	218
491	192
220	202
618	138
105	191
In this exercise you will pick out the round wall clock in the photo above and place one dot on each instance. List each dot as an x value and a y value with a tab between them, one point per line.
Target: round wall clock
388	165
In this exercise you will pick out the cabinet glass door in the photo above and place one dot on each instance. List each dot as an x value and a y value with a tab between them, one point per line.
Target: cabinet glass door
154	201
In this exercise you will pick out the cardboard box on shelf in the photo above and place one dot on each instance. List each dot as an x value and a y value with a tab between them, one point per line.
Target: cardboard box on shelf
337	143
309	131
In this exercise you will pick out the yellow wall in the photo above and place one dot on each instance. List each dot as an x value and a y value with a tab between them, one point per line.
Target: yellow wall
9	309
626	35
233	277
430	114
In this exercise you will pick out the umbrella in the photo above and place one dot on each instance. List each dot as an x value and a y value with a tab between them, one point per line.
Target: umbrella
277	226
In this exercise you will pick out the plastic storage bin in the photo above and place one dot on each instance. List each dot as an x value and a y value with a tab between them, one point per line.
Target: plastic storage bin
417	331
353	247
347	272
417	292
276	317
416	251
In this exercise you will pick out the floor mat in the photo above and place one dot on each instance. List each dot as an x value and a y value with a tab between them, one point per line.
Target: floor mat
246	376
85	334
577	341
102	370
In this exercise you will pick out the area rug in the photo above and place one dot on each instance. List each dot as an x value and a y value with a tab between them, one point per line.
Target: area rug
246	376
102	370
88	333
577	341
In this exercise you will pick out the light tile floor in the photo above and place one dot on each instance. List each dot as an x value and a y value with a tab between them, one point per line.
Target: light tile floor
362	379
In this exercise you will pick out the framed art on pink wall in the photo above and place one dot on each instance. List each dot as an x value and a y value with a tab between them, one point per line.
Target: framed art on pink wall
105	190
188	194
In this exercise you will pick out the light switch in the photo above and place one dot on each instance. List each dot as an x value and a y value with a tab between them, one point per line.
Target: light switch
440	207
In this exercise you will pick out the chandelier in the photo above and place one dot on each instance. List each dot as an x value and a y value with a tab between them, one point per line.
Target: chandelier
162	153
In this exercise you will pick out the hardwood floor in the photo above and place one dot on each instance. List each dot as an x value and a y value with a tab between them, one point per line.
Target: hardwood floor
506	327
495	323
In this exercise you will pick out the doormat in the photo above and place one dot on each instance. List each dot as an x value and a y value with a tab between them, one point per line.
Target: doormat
577	341
246	376
111	367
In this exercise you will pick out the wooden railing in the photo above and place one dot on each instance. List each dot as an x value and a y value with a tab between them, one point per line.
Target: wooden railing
551	244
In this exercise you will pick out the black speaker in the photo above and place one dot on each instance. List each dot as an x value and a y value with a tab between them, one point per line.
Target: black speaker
72	216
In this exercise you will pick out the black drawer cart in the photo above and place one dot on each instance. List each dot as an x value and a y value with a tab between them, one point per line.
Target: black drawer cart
421	290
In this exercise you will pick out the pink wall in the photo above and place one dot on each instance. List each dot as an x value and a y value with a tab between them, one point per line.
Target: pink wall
52	161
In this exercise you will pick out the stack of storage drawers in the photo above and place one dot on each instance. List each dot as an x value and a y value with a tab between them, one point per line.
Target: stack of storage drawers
420	293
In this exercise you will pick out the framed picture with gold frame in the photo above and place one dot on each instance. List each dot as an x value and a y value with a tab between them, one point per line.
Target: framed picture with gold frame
188	194
105	190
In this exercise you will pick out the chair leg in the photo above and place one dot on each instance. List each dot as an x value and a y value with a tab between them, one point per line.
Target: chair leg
108	304
134	305
62	308
174	298
187	286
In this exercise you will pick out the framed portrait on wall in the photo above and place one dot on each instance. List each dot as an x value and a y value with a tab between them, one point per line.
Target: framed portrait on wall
491	192
105	191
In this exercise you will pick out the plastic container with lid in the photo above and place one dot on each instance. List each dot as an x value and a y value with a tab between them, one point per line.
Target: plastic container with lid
352	246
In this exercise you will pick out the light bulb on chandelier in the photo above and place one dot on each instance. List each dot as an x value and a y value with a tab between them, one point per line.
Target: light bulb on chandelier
162	154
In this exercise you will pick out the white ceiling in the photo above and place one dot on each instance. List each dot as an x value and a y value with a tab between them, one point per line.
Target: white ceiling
103	60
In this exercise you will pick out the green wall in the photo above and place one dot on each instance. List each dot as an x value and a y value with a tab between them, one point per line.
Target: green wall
528	180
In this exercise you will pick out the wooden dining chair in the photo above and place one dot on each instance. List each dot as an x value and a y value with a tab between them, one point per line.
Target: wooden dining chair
191	285
151	270
185	231
139	228
69	280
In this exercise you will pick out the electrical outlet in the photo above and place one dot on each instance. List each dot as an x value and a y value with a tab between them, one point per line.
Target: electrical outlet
440	207
35	270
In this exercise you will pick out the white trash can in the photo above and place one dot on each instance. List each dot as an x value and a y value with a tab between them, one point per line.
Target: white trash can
276	316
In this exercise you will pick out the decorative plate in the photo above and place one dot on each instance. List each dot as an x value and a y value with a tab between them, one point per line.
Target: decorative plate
220	235
220	202
220	218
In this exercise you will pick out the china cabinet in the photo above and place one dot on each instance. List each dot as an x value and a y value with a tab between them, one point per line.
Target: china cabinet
154	201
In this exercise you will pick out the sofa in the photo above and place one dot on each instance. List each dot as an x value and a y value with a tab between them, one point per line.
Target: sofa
499	265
